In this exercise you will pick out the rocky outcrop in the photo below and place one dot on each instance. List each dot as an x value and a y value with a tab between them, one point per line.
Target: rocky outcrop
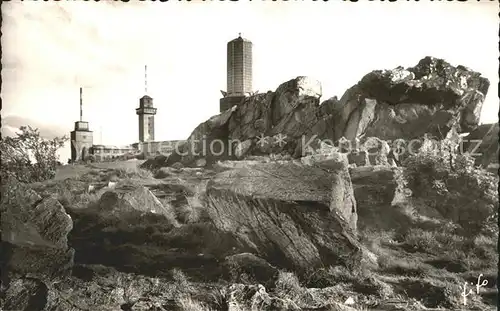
131	230
241	149
483	143
34	248
90	288
366	151
34	234
273	122
124	202
431	97
292	215
282	117
16	295
209	141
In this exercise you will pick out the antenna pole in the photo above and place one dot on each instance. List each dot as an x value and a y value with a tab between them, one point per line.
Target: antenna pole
145	79
81	105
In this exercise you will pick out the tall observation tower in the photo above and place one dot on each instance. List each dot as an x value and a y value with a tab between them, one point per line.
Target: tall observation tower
239	72
146	113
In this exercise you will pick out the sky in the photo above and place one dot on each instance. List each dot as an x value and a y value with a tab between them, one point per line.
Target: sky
51	49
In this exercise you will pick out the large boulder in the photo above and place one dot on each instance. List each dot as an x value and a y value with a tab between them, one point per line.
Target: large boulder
292	215
483	144
325	156
287	111
431	97
34	248
130	229
26	294
89	288
272	122
127	201
277	121
40	222
34	234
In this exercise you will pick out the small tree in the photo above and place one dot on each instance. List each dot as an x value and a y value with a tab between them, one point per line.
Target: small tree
29	157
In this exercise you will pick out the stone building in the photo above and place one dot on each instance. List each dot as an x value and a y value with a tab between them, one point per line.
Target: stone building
82	138
147	145
239	72
81	141
82	145
108	152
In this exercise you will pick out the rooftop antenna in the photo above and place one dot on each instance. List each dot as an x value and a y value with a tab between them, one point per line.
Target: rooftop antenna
145	79
81	105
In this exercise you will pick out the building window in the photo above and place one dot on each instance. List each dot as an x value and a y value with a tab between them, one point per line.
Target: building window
84	137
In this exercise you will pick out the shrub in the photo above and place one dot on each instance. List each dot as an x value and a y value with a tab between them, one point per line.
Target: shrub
218	299
29	157
194	211
186	303
180	278
449	183
182	286
288	285
433	242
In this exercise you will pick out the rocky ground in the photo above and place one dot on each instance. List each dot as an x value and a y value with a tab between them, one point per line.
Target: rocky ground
266	225
173	243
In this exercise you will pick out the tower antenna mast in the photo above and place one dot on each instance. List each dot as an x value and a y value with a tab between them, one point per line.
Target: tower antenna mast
81	105
146	79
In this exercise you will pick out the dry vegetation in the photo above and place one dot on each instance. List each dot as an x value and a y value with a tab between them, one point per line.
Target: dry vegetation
417	266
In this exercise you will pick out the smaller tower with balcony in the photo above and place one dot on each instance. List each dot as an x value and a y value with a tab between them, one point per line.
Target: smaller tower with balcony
146	113
81	137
